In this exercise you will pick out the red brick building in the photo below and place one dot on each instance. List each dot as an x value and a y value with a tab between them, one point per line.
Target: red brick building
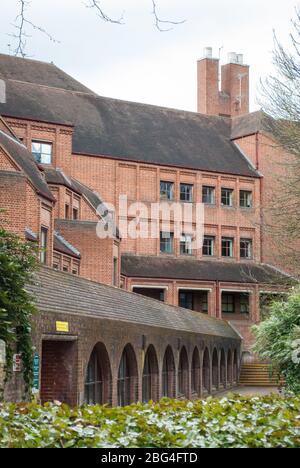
65	151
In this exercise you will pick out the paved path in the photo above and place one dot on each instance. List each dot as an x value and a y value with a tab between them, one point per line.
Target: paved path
250	391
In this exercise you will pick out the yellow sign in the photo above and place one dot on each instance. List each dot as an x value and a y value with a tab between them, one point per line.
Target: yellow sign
62	327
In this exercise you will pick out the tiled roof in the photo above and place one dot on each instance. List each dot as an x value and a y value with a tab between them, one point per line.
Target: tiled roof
63	246
121	129
41	73
23	158
191	269
63	293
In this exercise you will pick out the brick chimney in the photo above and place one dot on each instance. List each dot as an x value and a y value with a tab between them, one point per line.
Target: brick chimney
227	95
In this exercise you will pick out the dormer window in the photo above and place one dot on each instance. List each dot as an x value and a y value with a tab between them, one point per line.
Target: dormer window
42	152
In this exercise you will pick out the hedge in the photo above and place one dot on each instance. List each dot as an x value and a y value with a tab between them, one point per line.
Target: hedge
231	422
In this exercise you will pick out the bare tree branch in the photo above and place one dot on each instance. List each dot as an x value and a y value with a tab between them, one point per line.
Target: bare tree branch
159	22
20	24
22	20
95	4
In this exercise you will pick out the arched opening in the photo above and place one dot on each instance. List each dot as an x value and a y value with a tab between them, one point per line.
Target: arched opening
195	373
215	370
235	367
168	374
98	387
206	372
183	374
150	376
223	369
229	367
127	378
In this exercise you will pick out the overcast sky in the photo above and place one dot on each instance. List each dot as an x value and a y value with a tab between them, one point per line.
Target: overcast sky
136	62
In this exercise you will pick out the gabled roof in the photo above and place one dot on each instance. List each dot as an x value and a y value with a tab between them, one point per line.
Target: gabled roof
57	292
124	130
63	246
192	269
58	177
250	124
23	158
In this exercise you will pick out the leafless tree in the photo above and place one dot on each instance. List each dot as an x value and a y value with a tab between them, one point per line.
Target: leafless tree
281	101
22	22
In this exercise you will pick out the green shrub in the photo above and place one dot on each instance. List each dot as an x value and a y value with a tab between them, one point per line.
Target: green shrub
232	422
277	339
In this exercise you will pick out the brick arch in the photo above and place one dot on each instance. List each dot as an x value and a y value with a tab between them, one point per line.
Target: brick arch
183	373
150	382
169	374
127	377
196	373
98	377
215	369
206	375
230	367
223	368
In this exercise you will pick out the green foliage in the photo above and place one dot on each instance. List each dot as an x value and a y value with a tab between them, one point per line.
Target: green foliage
18	260
233	422
277	338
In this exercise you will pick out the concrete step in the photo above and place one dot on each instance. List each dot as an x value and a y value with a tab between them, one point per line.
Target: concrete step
257	375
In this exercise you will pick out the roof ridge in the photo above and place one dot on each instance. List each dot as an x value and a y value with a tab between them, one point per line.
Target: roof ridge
124	101
91	93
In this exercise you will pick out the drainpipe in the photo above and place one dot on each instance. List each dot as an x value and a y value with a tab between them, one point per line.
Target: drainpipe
261	199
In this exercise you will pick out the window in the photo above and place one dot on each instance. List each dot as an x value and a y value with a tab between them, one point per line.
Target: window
168	374
93	390
208	246
183	376
244	304
167	190
204	304
227	247
116	272
67	211
42	152
166	242
186	193
186	242
228	303
227	197
208	195
186	300
245	199
44	242
246	248
75	213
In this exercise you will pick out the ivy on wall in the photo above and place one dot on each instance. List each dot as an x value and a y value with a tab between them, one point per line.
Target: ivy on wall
18	261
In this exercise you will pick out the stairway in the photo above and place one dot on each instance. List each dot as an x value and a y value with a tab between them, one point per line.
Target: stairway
257	375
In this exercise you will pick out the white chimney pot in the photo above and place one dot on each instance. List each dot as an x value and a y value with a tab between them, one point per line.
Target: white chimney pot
208	52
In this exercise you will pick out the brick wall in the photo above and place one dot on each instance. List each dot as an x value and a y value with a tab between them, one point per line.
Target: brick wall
141	183
59	135
65	356
97	255
274	165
